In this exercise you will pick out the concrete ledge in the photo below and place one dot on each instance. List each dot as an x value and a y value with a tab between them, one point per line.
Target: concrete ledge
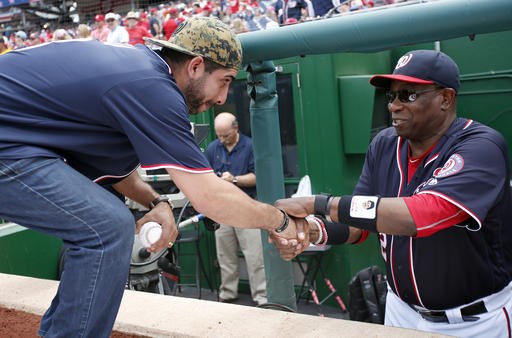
167	316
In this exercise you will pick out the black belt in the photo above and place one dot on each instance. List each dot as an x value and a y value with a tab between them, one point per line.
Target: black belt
469	313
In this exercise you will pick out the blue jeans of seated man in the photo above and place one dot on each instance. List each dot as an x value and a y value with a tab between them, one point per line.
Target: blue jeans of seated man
47	195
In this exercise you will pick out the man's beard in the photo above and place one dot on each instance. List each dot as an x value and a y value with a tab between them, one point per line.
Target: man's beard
194	95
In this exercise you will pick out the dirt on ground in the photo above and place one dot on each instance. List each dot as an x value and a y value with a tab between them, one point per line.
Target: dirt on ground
20	324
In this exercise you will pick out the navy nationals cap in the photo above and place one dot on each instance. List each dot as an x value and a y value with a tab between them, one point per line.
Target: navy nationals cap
423	67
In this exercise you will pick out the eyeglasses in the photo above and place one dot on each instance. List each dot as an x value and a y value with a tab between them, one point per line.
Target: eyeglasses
407	95
110	20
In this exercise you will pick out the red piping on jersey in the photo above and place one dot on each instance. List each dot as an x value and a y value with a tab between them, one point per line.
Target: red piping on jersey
178	167
400	168
413	276
401	171
467	124
454	202
101	178
507	317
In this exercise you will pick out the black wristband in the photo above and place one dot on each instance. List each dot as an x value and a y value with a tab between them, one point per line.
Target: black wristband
359	212
328	210
285	223
321	203
337	233
160	199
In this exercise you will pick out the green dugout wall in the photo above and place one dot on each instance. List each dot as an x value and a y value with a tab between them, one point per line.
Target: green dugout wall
28	253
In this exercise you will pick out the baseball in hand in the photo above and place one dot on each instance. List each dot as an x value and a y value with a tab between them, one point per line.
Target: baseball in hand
150	233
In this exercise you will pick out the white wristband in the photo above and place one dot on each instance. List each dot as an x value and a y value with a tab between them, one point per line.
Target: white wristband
312	218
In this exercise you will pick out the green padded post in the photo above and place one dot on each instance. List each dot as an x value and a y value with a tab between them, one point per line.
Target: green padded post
261	87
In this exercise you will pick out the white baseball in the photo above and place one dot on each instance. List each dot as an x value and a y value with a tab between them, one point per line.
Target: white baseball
150	233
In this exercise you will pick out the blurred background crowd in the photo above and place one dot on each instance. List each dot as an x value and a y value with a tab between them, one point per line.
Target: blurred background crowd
161	19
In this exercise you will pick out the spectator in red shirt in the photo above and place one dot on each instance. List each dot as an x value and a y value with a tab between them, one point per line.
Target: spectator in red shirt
143	21
171	23
234	5
135	32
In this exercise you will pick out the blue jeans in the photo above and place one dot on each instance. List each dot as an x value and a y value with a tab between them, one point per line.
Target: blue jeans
47	195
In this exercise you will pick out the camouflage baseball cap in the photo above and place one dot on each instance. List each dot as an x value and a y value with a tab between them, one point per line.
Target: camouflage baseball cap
206	37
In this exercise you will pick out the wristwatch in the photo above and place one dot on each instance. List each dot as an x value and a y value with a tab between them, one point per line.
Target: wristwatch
160	199
235	180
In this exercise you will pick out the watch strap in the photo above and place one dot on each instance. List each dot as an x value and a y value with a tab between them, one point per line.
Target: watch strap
284	225
160	199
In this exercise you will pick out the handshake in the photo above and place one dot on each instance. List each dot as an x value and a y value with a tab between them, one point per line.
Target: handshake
303	228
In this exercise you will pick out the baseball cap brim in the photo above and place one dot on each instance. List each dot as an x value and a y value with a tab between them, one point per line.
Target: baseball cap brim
167	44
384	81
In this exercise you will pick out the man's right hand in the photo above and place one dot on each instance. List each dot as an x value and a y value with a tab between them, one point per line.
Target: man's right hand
292	241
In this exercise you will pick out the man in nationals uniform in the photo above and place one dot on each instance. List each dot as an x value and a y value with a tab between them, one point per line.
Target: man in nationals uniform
75	115
436	188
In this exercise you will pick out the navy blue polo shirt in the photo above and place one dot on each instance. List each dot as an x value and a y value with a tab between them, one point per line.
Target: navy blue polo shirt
104	108
239	161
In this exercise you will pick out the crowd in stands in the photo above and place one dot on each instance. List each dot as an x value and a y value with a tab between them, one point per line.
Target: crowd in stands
161	21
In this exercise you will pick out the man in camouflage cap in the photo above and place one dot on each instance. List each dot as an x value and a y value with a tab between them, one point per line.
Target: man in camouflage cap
206	37
115	108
